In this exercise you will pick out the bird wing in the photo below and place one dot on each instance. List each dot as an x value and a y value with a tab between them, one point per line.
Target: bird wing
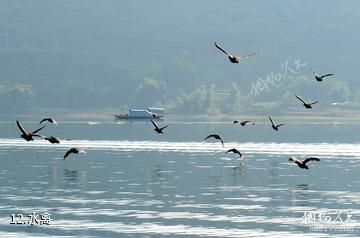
311	159
230	150
246	122
55	122
21	128
235	151
313	72
241	156
209	136
220	48
162	128
236	121
325	75
154	123
300	99
68	153
314	102
34	132
222	141
271	121
245	56
45	119
280	125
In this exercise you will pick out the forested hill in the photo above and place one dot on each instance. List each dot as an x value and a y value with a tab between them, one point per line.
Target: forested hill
93	54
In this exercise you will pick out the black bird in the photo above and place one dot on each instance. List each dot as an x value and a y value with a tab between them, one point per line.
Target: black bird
275	127
157	128
55	140
216	137
306	105
302	163
243	123
28	136
235	151
52	139
233	58
320	77
48	119
74	150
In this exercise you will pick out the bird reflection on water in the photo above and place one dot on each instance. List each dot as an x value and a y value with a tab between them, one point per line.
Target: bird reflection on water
74	178
300	195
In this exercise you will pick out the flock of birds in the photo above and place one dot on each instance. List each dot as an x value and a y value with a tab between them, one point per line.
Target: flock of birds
28	136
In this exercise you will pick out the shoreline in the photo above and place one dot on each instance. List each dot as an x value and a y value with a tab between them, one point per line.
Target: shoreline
100	116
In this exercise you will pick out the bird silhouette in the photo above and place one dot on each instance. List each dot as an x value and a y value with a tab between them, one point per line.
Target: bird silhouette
216	137
243	123
306	105
48	119
74	150
52	139
28	136
302	163
157	128
233	58
275	127
235	151
55	140
320	77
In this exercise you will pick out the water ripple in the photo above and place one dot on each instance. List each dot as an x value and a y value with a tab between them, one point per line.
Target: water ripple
339	151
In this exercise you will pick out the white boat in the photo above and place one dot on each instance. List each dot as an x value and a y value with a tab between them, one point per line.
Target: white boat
147	113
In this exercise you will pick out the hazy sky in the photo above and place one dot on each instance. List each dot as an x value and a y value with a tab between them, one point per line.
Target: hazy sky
65	48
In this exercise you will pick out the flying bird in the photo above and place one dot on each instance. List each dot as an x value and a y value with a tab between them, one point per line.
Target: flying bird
157	128
275	127
306	105
54	140
320	77
216	137
302	163
243	123
28	136
235	151
74	150
48	119
233	58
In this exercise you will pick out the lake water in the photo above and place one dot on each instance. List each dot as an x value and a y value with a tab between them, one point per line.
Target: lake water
135	183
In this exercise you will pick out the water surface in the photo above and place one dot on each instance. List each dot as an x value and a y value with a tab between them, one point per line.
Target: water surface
135	183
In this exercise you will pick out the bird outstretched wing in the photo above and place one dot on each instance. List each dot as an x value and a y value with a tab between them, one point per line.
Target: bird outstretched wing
162	128
209	136
45	119
314	102
271	121
245	56
21	128
326	75
311	159
300	98
36	131
68	153
222	142
220	48
154	123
